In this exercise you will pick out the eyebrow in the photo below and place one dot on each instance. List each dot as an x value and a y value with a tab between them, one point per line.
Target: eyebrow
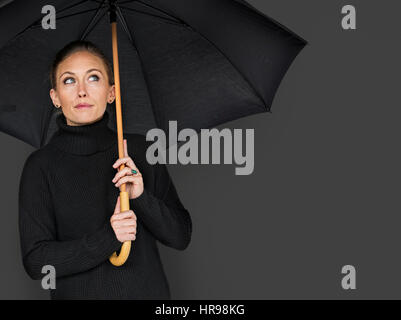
90	70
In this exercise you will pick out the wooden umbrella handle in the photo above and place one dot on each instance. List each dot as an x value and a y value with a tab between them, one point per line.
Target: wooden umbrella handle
120	259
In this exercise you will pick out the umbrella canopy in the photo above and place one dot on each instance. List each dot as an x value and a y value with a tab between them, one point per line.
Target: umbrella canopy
199	62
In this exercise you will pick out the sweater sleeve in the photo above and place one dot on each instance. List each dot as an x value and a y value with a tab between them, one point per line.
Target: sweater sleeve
38	233
162	211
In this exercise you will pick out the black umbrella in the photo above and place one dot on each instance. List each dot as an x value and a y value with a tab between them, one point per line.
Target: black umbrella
199	62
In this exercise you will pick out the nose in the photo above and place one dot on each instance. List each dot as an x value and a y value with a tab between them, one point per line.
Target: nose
82	90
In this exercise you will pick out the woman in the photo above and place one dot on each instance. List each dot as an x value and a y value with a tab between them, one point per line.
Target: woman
69	209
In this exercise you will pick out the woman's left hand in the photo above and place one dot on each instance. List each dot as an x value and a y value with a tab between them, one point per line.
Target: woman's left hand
133	181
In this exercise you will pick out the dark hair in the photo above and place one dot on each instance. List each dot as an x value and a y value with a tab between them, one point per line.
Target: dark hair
77	46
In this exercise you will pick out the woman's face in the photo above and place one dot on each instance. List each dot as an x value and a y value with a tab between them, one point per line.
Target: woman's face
82	79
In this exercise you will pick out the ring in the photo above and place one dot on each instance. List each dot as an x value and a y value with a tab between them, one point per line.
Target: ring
134	171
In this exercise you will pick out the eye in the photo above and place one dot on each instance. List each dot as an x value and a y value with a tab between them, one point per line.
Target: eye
65	80
95	76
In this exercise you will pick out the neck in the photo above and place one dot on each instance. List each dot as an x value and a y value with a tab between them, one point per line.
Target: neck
76	124
84	139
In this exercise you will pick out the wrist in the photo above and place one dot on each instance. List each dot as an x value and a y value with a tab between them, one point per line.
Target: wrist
133	197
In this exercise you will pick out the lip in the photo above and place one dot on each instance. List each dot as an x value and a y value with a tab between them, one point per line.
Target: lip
83	105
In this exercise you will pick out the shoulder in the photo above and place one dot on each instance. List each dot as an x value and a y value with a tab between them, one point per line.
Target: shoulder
35	159
34	171
40	159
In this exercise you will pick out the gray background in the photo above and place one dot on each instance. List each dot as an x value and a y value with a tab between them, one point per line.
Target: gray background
325	189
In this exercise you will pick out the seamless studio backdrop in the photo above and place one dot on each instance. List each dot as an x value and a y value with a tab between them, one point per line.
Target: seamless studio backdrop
323	192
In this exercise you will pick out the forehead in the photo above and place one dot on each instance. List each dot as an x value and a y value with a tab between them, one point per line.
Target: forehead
79	62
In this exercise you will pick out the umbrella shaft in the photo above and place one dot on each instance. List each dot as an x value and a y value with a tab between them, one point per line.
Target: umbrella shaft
125	250
118	95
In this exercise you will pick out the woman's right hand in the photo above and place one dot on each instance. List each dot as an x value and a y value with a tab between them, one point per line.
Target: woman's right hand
123	223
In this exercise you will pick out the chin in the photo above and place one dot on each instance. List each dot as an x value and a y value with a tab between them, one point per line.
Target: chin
86	115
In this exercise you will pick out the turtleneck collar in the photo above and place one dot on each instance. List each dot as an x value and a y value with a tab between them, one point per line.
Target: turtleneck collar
85	139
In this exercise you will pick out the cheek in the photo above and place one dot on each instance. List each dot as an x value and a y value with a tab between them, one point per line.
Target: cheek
98	93
65	96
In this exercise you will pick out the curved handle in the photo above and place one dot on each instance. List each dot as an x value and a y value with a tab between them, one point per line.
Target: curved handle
119	260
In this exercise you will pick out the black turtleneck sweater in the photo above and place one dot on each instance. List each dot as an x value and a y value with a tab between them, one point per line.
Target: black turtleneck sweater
66	199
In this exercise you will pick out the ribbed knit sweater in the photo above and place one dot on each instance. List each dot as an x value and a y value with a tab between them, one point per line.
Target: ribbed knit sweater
66	199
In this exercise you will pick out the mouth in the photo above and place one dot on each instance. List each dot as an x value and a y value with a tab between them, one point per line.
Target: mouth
83	105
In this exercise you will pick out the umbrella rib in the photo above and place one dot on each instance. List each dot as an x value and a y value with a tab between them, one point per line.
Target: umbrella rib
76	13
176	22
117	2
88	27
237	69
122	2
162	11
125	26
94	25
71	6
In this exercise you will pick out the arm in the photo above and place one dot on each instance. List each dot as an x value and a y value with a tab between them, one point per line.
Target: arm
39	244
163	213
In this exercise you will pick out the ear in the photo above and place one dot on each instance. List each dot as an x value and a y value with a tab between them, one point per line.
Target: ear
112	94
54	97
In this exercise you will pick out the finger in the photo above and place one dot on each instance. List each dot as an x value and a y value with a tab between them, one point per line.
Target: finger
131	237
123	172
131	221
129	179
118	224
117	208
124	215
124	223
120	161
127	161
126	230
127	237
125	148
